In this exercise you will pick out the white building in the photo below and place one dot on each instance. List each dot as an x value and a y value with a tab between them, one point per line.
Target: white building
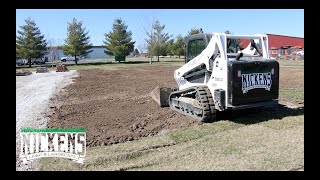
98	52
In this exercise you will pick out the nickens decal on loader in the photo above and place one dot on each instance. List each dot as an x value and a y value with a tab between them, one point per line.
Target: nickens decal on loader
256	80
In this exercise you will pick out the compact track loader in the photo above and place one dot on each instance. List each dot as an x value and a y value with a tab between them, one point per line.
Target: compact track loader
222	72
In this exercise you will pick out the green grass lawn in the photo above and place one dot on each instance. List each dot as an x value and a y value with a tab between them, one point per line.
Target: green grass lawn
292	94
273	144
112	65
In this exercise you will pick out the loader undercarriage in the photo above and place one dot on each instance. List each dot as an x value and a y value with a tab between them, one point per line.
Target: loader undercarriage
195	102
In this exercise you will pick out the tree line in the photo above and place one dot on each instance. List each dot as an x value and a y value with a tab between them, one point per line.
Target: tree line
31	43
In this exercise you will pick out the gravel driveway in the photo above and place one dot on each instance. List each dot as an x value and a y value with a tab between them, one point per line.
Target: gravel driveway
33	95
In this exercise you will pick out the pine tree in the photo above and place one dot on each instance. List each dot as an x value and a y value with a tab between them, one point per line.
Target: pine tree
119	41
77	42
179	46
195	31
30	43
171	47
136	52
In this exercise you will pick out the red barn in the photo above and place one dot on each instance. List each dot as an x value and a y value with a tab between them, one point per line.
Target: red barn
280	45
278	41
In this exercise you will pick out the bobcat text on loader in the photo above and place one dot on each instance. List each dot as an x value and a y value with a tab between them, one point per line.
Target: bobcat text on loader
219	75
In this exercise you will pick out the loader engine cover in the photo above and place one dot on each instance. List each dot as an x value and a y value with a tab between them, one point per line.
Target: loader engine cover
252	81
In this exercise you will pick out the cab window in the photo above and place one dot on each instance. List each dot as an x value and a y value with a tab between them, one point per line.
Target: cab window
195	47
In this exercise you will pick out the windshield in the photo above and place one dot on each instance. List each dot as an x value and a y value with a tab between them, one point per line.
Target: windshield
233	45
249	47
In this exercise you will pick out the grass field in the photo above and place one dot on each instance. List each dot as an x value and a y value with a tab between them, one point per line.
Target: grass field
135	62
112	65
276	144
267	140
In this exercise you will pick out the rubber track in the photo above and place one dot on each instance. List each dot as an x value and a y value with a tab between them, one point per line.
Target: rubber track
204	97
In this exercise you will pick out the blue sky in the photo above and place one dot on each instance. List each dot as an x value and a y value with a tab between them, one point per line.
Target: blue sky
53	22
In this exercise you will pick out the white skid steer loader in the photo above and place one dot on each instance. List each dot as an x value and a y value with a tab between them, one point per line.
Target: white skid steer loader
221	75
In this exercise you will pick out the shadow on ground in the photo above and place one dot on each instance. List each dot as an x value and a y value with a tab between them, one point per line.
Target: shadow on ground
257	115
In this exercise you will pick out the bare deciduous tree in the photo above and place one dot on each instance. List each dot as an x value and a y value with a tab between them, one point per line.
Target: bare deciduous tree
148	29
158	40
53	49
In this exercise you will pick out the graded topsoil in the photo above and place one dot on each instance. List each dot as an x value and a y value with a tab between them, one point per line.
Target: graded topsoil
115	106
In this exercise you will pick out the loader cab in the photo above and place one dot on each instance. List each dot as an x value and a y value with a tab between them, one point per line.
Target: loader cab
195	44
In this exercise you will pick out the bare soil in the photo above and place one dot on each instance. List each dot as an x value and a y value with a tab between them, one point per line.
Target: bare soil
116	106
291	77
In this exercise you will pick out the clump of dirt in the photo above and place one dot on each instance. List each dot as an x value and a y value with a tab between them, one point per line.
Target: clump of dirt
23	72
116	106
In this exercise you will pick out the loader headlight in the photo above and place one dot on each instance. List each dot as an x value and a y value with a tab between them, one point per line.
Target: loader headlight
272	71
239	73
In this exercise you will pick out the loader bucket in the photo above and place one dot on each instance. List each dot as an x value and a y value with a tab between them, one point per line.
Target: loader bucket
161	95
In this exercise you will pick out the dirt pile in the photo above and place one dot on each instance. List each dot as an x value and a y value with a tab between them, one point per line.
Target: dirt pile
23	72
